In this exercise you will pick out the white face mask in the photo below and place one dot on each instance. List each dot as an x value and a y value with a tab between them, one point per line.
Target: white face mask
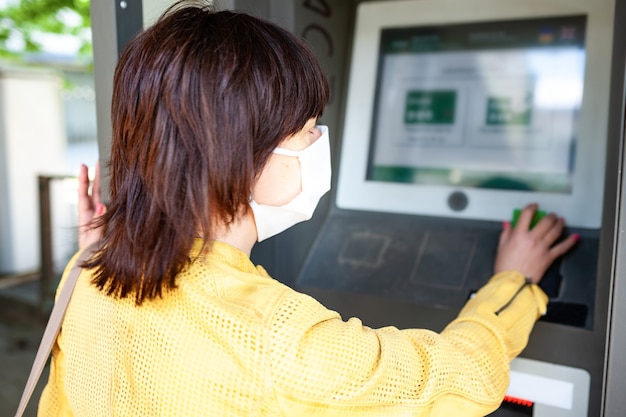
316	171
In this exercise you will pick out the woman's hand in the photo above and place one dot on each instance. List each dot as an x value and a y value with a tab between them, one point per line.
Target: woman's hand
532	251
90	207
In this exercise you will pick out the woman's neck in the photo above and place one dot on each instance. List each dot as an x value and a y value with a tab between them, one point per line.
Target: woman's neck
240	234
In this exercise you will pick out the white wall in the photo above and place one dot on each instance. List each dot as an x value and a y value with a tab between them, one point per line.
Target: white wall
32	142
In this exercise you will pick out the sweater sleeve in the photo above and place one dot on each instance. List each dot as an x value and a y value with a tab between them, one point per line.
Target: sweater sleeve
325	366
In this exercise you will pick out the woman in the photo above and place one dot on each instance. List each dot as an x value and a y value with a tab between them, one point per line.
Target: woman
215	146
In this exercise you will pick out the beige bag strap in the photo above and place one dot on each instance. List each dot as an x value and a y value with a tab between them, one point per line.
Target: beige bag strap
52	330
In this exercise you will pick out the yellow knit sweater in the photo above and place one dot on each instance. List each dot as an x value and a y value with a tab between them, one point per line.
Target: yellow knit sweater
231	341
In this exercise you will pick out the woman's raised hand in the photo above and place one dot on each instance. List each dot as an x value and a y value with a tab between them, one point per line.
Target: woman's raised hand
90	207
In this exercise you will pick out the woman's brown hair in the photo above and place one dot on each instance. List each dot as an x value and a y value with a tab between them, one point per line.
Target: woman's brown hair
200	100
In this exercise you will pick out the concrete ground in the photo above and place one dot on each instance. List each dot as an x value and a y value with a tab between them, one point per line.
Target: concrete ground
21	327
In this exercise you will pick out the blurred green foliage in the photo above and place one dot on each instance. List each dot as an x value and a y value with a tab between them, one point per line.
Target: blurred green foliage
24	22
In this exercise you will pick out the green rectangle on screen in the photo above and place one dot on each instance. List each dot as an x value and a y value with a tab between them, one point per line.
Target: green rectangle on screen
430	107
500	112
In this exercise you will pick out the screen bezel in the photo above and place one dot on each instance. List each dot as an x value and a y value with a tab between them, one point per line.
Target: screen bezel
581	208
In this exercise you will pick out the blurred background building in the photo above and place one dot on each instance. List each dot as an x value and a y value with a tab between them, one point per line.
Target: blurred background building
47	124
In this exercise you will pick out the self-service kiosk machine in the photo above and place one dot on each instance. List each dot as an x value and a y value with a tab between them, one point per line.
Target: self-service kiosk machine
446	117
456	114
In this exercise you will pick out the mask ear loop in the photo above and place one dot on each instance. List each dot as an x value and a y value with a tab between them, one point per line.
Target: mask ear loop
289	152
286	152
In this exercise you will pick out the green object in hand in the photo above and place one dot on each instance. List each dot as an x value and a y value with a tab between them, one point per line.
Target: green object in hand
539	214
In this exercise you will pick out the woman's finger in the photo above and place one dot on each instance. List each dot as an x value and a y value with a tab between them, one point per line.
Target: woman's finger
526	216
542	230
564	246
96	196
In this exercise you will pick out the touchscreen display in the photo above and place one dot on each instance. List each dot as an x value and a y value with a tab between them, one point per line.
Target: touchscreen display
481	105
